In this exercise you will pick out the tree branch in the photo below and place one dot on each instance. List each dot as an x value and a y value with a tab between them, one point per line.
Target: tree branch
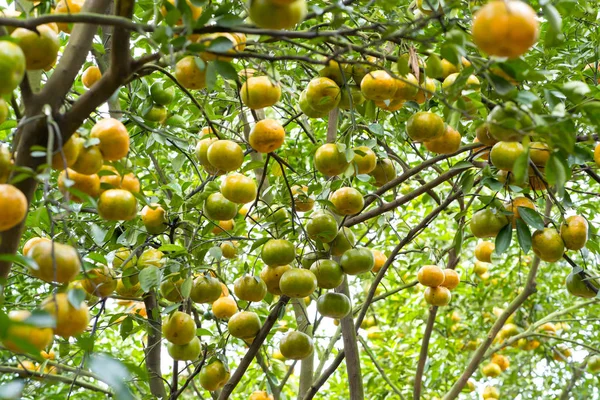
153	348
479	355
355	381
414	232
385	207
253	349
55	377
79	45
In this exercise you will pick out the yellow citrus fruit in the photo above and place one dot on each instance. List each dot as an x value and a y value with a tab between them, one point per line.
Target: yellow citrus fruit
407	87
329	160
547	244
114	138
378	85
296	345
323	94
425	126
272	276
189	74
213	376
244	324
67	7
380	259
117	205
272	14
430	275
239	188
207	39
89	161
260	92
260	395
223	226
492	370
100	282
68	154
451	279
513	206
302	201
539	153
384	172
426	91
40	49
206	289
20	331
574	232
56	262
90	76
154	218
12	66
32	242
196	10
505	28
504	154
88	184
179	328
13	207
347	201
225	155
266	136
364	160
70	320
487	223
484	250
448	143
484	136
501	361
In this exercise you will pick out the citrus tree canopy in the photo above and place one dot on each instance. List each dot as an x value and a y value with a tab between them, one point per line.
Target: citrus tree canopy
299	199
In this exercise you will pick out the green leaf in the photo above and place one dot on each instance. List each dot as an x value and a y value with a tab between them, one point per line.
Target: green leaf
41	319
521	167
554	34
557	172
226	70
211	76
220	45
76	297
126	327
113	373
503	239
458	240
186	287
259	243
531	217
172	248
19	259
523	235
433	66
216	253
149	278
229	21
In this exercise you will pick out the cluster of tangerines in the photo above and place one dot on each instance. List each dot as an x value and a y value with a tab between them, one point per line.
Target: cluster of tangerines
439	283
83	172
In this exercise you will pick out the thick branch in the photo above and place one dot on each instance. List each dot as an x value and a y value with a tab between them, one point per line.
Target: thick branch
353	370
72	59
253	349
423	354
153	349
